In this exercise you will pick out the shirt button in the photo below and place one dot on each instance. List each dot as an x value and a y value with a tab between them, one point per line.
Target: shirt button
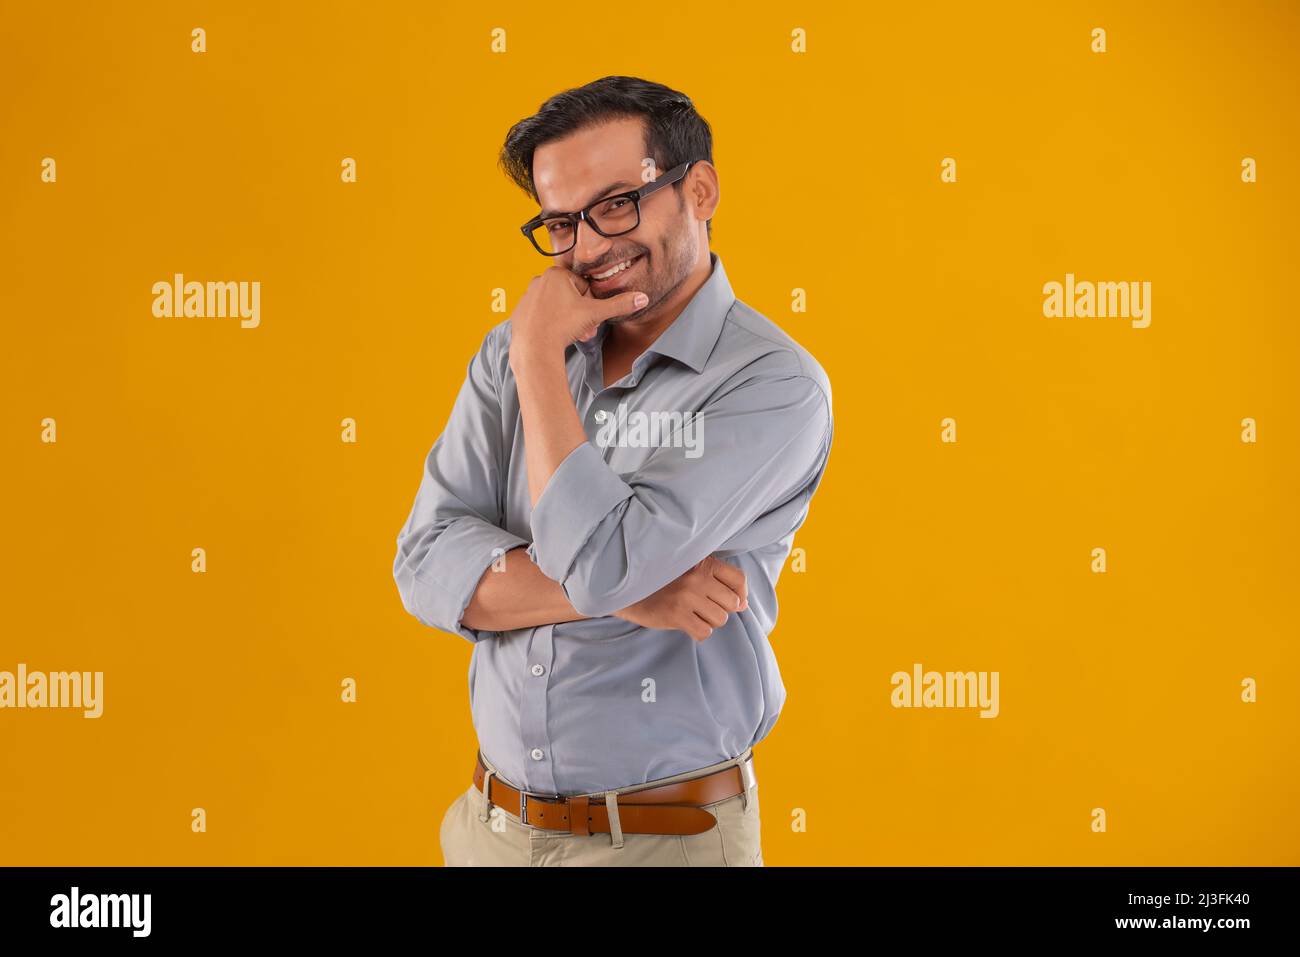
538	670
601	415
537	754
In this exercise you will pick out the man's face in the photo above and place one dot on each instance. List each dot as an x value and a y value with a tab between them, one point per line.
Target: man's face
599	161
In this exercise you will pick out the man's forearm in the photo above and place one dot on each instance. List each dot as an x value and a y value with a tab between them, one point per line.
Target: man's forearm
518	597
550	419
522	596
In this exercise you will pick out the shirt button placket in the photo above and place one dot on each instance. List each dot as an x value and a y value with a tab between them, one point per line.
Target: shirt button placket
532	711
595	419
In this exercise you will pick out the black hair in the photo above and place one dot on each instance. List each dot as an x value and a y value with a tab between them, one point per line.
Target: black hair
674	131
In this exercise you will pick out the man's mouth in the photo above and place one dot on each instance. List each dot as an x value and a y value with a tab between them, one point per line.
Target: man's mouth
605	277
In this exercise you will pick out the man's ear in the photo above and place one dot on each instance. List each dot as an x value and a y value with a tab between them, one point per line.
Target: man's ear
706	191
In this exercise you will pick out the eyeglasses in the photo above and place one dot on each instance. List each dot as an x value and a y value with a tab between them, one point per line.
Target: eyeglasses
609	216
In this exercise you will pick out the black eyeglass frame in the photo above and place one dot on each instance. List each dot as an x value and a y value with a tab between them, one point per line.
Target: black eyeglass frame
582	215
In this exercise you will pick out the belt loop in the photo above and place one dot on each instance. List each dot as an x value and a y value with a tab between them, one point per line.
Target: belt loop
615	828
487	790
747	780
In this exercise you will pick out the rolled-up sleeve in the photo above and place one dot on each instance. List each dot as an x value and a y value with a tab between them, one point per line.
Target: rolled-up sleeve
454	533
610	543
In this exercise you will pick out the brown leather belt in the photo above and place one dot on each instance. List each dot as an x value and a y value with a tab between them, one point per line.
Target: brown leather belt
664	809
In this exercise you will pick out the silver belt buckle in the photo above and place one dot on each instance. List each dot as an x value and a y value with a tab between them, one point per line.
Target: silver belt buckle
523	802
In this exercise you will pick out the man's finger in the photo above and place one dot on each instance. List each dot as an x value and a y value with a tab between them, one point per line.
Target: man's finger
711	612
723	596
732	577
579	283
620	305
700	630
583	337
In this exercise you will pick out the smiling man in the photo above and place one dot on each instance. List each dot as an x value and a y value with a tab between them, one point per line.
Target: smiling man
619	594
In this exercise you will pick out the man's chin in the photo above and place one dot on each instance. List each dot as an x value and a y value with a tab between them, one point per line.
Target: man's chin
639	314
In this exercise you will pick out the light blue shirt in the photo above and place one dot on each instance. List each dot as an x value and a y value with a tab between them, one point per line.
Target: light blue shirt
712	444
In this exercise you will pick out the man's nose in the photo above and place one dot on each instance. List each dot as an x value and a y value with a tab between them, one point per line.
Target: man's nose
590	245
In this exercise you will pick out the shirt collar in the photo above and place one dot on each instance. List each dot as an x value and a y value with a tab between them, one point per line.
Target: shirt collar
693	334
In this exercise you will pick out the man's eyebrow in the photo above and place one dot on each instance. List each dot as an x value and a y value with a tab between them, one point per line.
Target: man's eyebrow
599	194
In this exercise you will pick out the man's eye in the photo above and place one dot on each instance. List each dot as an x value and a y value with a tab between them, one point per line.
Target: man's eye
556	227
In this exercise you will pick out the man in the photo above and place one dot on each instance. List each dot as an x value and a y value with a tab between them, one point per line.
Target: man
609	508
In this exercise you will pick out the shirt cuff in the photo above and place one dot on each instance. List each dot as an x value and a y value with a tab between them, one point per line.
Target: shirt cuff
581	492
466	551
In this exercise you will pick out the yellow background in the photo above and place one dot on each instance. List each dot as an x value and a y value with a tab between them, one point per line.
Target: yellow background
1119	691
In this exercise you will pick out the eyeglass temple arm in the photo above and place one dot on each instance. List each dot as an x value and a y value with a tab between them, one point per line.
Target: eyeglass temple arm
665	180
641	193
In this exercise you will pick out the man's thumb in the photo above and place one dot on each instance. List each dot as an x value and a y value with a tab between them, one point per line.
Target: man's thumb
622	304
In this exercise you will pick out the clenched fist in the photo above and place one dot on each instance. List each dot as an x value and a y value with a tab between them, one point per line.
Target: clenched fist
556	310
695	603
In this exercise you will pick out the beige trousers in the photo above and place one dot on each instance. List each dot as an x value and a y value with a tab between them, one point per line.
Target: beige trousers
471	836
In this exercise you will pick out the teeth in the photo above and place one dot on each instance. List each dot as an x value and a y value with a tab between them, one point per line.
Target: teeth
613	269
